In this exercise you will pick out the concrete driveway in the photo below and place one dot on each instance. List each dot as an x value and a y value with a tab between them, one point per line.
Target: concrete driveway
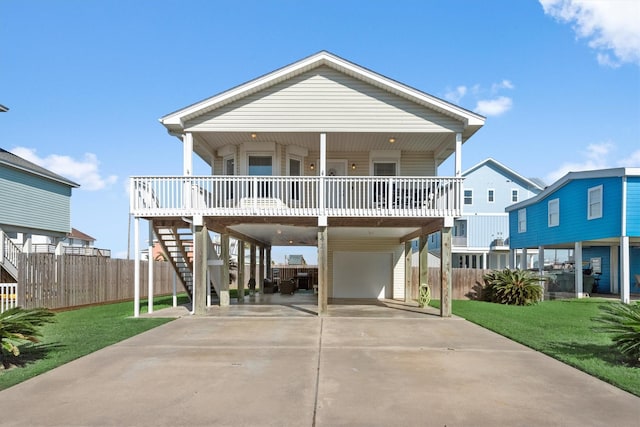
363	365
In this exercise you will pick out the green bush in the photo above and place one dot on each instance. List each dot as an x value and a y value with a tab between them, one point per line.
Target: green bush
622	321
19	326
512	287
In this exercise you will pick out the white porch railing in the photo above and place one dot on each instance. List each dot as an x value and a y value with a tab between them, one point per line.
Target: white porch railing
9	254
295	196
8	296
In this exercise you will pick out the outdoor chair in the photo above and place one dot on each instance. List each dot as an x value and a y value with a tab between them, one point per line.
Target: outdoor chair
288	287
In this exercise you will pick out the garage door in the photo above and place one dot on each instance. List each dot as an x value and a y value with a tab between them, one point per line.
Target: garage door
361	274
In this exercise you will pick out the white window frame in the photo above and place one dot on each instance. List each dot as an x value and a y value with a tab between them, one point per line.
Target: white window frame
516	192
224	164
491	195
598	201
553	213
522	220
464	197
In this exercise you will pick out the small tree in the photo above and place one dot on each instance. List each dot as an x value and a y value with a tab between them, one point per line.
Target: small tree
512	287
19	326
622	321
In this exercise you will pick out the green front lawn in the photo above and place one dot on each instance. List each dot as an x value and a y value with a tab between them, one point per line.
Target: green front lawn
561	329
79	332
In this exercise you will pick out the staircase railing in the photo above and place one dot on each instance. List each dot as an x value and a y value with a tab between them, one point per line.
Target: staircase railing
9	253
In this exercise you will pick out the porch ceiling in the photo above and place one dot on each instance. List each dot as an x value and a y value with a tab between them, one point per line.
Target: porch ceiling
207	143
287	235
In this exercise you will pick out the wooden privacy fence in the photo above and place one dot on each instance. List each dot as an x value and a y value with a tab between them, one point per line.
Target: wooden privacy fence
47	280
465	282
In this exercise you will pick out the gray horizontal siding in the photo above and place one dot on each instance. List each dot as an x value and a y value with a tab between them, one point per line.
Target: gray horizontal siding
324	100
30	201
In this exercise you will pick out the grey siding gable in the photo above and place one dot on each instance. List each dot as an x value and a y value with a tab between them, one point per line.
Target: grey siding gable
325	100
30	201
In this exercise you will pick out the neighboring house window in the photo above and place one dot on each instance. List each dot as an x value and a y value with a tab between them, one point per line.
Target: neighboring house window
522	221
514	195
468	197
554	212
595	202
491	195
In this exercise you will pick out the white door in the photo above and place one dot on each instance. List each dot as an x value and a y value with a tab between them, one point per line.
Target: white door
362	274
335	193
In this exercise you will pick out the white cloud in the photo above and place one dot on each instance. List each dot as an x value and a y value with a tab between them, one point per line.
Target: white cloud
494	107
505	84
456	95
633	161
611	27
595	157
84	171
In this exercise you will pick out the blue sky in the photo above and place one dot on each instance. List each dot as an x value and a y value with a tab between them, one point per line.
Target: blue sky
86	81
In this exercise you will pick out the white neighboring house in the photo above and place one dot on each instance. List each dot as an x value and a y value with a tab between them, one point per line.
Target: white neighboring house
74	243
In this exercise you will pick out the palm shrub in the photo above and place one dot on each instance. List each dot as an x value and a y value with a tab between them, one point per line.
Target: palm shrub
512	287
19	326
622	321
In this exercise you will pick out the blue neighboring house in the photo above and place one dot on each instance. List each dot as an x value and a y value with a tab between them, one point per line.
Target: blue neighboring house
481	236
596	213
33	201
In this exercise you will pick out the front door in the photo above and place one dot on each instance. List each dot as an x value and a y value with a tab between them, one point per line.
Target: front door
336	187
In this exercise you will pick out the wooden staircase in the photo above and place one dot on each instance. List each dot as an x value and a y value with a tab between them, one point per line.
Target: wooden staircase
177	243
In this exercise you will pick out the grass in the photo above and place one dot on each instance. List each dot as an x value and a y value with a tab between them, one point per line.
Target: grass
561	329
79	332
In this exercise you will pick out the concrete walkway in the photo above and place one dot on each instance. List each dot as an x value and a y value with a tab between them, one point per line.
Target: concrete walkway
281	365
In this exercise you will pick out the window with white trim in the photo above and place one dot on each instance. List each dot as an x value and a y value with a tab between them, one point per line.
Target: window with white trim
522	221
468	196
553	210
491	195
595	202
515	195
230	165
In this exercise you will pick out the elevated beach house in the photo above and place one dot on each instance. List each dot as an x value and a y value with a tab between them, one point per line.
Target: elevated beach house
324	153
597	214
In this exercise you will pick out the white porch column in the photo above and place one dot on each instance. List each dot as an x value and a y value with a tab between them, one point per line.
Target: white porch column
523	259
484	260
541	267
224	279
136	267
458	159
577	258
512	258
322	220
150	281
187	154
625	273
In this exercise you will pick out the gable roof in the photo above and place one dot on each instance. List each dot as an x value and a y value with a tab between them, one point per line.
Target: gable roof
9	159
472	121
505	170
572	176
77	234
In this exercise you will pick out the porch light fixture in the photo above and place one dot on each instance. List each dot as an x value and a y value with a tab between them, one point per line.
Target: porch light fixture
353	166
392	140
254	136
312	166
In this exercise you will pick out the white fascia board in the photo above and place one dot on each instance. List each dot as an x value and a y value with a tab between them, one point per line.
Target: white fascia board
572	176
504	168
